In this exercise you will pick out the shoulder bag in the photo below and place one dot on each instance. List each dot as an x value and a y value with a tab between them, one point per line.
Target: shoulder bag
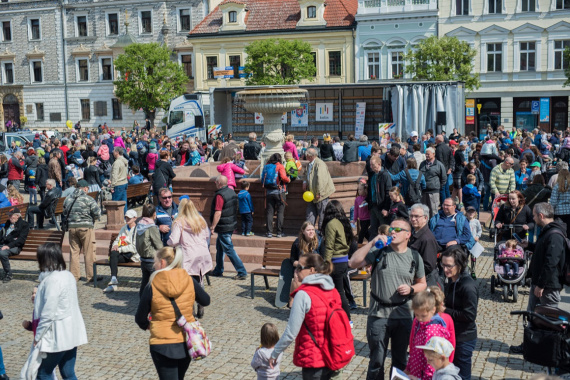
65	217
197	343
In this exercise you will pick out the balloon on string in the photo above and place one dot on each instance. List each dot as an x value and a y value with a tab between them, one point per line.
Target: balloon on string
308	196
69	124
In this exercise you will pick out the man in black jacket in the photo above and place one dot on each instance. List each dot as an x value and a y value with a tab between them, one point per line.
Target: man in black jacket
182	155
546	266
378	196
252	148
12	241
47	206
436	178
444	155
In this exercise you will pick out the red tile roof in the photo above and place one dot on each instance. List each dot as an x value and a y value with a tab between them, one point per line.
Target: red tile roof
279	15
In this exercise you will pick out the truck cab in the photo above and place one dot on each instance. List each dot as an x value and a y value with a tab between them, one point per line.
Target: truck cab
186	117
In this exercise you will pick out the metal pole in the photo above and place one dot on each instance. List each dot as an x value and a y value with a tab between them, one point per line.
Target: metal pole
64	60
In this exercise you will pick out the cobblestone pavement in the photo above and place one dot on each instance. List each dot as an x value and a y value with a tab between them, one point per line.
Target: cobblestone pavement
118	349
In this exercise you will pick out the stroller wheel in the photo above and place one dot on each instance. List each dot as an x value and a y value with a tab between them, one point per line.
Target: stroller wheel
515	292
493	284
506	293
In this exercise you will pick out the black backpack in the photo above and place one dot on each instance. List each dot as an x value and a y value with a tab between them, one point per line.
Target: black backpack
414	194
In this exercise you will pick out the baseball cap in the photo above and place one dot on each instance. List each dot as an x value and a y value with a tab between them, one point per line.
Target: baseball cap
131	214
471	208
37	135
183	197
535	164
452	142
82	183
414	134
438	345
14	210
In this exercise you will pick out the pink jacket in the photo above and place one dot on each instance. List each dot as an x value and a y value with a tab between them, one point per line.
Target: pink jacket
196	248
151	159
103	152
288	146
119	142
228	169
518	252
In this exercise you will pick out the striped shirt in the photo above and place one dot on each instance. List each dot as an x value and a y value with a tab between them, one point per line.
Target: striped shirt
502	181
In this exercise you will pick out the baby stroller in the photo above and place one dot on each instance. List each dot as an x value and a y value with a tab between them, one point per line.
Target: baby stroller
546	339
511	280
497	203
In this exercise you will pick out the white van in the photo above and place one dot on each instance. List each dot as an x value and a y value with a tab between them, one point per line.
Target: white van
186	117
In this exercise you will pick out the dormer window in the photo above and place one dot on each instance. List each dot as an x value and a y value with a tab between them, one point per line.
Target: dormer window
312	12
232	17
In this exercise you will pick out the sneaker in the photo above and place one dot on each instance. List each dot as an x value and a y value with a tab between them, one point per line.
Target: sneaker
518	350
279	235
240	277
269	235
353	306
8	278
113	281
4	377
460	206
110	289
250	233
351	324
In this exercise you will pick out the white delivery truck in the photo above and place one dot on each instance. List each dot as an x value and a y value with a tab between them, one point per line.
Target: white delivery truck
186	117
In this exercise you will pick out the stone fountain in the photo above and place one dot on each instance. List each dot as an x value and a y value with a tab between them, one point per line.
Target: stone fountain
272	102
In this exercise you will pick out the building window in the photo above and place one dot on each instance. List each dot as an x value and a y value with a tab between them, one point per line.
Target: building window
374	65
106	69
562	4
528	5
39	112
117	112
528	56
113	24
100	108
312	12
559	62
37	75
146	22
184	19
494	57
6	31
232	17
186	61
495	6
85	110
55	116
335	64
34	29
235	62
211	62
462	7
8	73
397	64
83	70
81	26
314	54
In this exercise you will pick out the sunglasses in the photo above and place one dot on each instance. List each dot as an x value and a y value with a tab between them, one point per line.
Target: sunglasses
170	197
396	229
299	268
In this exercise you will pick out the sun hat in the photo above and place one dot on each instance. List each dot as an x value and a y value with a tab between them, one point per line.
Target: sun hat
438	345
535	164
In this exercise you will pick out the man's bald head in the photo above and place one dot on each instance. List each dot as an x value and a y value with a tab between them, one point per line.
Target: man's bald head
221	181
439	139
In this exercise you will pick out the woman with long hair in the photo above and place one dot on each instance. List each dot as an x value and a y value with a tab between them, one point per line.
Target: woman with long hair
14	196
92	174
191	233
169	284
338	238
560	198
275	196
537	191
515	211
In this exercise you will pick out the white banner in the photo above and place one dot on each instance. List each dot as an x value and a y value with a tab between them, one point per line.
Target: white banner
324	112
300	116
360	115
258	118
284	118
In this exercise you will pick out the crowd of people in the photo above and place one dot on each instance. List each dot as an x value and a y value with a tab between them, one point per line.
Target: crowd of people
416	207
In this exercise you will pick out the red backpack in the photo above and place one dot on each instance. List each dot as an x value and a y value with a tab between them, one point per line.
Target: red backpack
338	346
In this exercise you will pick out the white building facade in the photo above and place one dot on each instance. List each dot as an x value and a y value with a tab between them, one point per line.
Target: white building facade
519	46
56	58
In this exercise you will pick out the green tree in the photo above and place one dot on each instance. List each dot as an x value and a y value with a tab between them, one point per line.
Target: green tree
443	59
567	69
276	61
148	78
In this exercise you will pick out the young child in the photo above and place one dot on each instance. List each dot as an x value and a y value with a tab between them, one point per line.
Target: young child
136	176
195	158
427	324
245	209
474	223
398	208
14	196
292	166
260	361
535	166
32	189
361	213
437	351
471	196
511	250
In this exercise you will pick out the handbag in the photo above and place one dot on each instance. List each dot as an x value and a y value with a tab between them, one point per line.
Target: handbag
197	343
65	217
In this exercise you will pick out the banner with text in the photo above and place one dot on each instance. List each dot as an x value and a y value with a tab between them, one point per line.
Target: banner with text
470	111
324	112
213	130
544	110
359	120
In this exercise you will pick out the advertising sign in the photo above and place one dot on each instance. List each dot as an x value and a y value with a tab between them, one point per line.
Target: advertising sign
535	107
470	111
384	128
224	72
214	129
242	73
258	118
324	112
300	116
284	118
544	110
359	120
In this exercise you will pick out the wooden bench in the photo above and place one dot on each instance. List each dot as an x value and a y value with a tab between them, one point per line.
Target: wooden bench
273	255
4	211
138	194
34	240
131	264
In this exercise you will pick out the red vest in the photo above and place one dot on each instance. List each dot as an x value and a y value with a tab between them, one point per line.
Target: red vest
13	172
307	354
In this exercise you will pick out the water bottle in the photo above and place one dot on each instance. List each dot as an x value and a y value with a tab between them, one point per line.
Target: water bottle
380	244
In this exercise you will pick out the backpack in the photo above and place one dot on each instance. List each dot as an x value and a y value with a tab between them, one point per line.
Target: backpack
338	345
565	275
294	170
141	148
414	194
270	177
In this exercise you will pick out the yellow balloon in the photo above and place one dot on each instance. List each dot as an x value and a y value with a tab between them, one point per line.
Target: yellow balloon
308	196
69	124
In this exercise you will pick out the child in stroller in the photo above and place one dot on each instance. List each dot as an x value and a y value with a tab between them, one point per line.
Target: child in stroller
508	256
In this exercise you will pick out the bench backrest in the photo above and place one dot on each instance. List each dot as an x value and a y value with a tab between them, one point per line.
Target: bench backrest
4	211
59	205
38	237
138	190
275	252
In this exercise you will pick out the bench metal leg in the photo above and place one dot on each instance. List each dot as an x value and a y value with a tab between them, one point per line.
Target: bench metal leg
252	285
266	282
208	279
54	221
364	284
94	275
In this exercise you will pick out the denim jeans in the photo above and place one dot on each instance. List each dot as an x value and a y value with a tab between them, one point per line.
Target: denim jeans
486	196
2	368
275	202
444	193
246	223
120	194
379	331
225	246
463	356
65	360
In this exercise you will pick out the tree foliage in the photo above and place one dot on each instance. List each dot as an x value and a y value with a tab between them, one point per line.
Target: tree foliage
443	59
567	69
277	61
148	78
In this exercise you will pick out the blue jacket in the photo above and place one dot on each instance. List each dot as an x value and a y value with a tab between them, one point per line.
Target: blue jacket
455	227
162	218
245	203
522	180
136	179
364	151
4	202
471	197
402	179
